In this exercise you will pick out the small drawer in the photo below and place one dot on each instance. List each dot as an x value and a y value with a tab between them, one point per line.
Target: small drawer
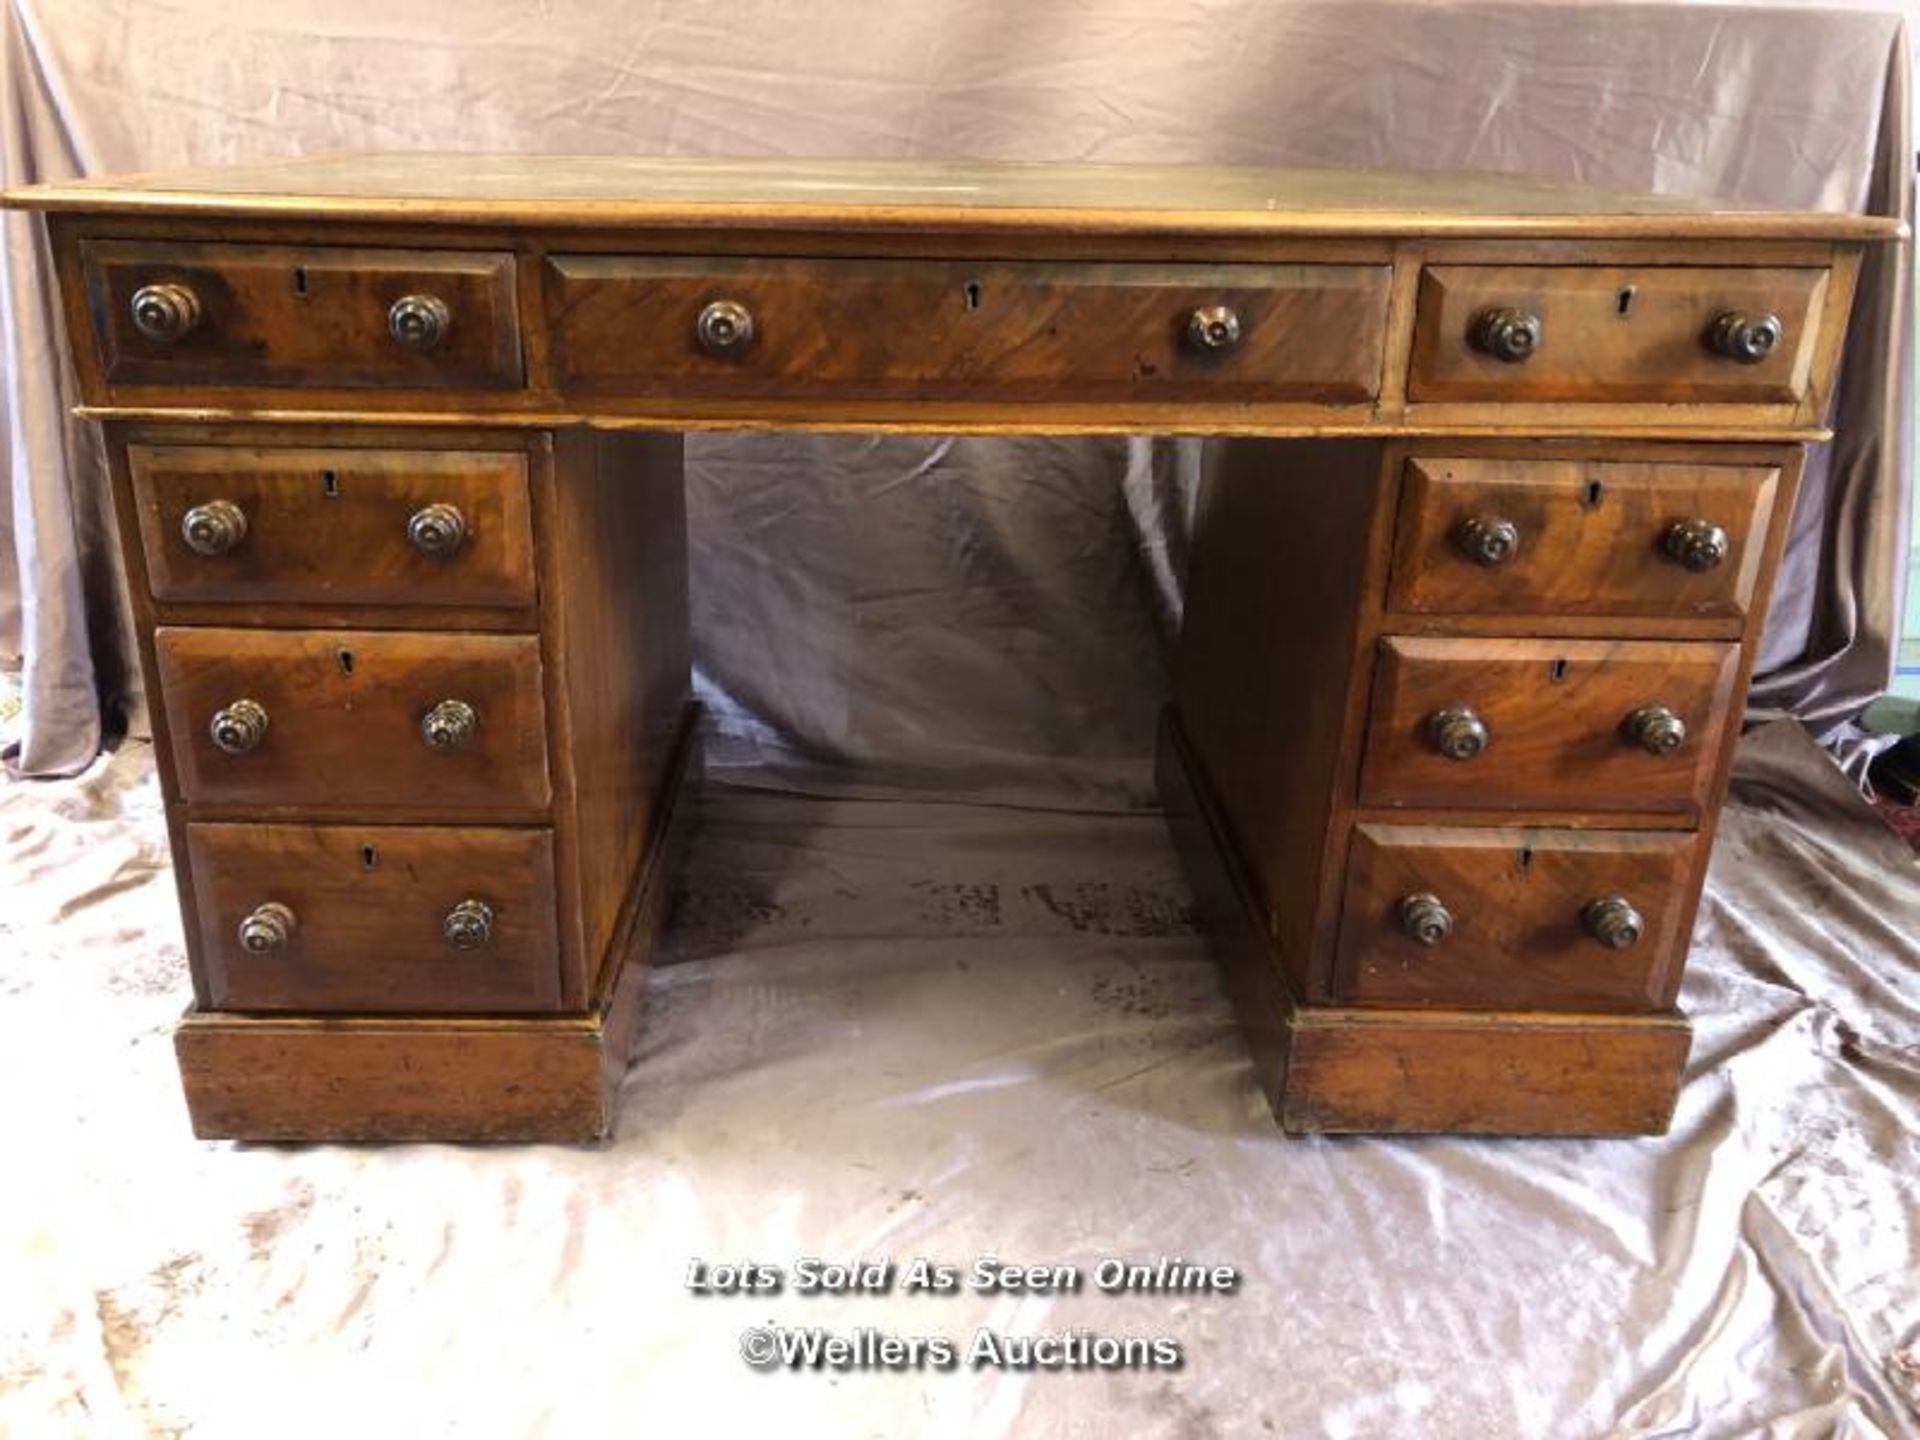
375	918
934	330
334	527
362	718
1651	335
322	316
1546	724
1513	919
1503	537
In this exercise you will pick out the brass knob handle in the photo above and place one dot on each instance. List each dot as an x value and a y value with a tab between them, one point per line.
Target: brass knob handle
1700	545
1509	335
449	725
1656	729
165	312
1457	733
1424	919
239	727
437	530
1613	921
1745	338
268	927
1214	328
1487	539
213	528
468	925
419	322
725	327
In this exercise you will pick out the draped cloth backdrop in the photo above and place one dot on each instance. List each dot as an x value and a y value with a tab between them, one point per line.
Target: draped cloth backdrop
968	613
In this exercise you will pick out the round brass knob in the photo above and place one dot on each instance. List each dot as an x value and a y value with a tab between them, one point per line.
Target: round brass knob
213	528
1424	919
419	322
1748	339
165	312
468	925
1509	335
1487	539
1457	733
725	327
1613	922
1700	545
268	927
449	725
437	530
1214	328
1656	729
239	727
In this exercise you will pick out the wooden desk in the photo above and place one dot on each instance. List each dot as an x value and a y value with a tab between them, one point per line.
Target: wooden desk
1504	476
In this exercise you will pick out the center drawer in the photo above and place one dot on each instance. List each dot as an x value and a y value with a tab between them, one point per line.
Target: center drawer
930	330
1546	724
375	918
366	718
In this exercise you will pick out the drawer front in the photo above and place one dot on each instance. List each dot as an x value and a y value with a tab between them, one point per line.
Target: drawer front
342	527
340	717
1499	537
931	330
1512	918
375	918
1631	334
272	315
1545	724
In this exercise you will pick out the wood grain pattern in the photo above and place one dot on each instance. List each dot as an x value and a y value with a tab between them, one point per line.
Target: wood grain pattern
299	315
1614	334
1263	673
551	1079
369	903
1398	1071
328	526
922	329
1590	537
922	196
615	577
1516	897
344	710
1554	711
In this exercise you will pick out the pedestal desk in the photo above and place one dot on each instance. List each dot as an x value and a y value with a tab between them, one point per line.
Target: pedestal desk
1501	476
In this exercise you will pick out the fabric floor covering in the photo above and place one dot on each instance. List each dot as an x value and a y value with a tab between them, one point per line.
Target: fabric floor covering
890	1030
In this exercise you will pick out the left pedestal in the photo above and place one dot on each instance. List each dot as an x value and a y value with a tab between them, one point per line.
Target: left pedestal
420	703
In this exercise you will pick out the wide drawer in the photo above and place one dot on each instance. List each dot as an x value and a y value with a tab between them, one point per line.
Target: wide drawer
928	330
168	313
375	918
372	527
1572	537
1513	918
1592	333
361	718
1546	724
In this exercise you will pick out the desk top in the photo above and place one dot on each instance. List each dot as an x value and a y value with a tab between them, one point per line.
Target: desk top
618	191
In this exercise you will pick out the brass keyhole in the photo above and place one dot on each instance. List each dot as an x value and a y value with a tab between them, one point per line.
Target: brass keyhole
369	857
1623	302
1558	671
1591	498
330	483
971	293
345	657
